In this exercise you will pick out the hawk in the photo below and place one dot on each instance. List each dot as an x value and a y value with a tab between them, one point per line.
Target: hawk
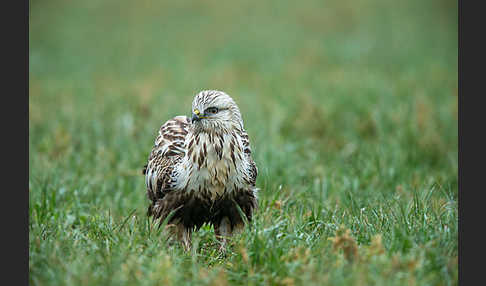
200	170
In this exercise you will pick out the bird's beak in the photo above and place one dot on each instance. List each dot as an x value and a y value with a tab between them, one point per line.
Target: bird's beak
196	116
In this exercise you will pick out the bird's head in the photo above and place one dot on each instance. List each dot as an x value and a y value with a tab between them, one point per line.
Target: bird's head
215	112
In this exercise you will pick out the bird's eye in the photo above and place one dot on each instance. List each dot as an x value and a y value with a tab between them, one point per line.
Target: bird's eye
211	110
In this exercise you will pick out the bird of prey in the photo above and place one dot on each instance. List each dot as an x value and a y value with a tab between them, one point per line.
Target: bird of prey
201	170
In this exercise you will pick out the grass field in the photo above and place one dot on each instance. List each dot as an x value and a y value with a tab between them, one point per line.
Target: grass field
351	108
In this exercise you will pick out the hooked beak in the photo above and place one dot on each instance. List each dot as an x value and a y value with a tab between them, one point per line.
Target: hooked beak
196	116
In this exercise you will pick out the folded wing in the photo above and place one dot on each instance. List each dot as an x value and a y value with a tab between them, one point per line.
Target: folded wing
168	151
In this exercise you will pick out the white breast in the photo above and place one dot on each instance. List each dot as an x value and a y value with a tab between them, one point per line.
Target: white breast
212	168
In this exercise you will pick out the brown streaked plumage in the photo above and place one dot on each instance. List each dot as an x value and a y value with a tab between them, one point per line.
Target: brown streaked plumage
201	168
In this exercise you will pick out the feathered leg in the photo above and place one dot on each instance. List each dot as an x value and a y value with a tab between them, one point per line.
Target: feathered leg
184	235
178	232
223	232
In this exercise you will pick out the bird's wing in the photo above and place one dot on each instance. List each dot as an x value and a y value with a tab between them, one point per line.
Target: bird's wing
252	171
168	150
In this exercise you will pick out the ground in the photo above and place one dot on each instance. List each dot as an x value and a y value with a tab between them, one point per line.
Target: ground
351	108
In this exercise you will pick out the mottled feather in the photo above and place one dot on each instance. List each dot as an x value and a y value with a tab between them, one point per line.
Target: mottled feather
200	170
167	151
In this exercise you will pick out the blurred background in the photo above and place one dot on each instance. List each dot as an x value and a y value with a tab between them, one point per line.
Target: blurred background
318	77
335	71
360	93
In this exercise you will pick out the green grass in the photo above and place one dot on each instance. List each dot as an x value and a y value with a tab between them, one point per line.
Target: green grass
351	108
